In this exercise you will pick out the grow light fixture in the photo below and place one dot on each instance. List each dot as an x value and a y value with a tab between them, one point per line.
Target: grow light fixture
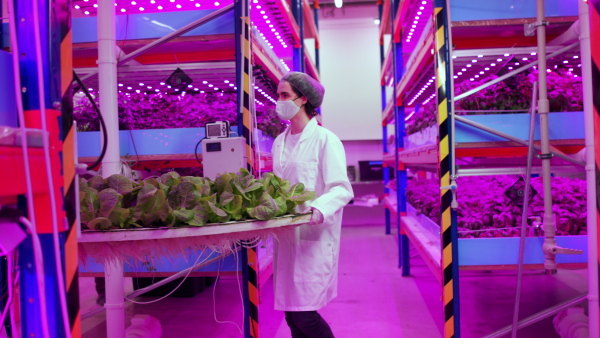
179	79
429	99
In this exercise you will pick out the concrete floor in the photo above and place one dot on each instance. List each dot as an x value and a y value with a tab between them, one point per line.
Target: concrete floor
374	299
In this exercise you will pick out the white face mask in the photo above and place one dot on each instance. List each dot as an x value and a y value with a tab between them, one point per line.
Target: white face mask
286	109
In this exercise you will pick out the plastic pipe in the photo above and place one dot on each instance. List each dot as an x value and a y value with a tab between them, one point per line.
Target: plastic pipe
453	176
588	109
525	213
543	110
107	70
14	44
115	294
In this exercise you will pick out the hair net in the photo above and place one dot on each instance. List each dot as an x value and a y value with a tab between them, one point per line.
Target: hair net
307	86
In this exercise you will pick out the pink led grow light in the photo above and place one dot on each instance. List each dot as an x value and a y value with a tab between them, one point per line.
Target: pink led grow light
83	8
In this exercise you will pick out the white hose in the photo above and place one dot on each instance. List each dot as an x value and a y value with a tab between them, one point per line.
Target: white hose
53	206
28	184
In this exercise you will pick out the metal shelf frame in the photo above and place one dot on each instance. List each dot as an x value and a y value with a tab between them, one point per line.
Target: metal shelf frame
442	157
56	37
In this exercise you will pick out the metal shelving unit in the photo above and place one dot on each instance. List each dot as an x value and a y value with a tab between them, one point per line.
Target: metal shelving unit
457	51
245	50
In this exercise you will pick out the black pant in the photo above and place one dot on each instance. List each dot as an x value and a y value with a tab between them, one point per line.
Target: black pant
100	286
307	324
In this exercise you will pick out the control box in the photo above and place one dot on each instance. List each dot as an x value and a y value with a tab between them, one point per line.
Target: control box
219	129
223	155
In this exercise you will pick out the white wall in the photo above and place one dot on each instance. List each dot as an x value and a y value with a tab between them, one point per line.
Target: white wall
366	150
350	72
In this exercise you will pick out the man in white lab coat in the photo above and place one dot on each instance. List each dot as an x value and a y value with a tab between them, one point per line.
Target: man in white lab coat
306	257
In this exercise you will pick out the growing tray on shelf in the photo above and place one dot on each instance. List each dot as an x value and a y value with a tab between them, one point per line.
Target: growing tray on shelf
483	253
160	251
499	252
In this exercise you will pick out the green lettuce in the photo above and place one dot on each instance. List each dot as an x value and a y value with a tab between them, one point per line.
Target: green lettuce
173	201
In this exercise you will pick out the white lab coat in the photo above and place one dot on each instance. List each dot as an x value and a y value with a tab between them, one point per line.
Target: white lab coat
305	260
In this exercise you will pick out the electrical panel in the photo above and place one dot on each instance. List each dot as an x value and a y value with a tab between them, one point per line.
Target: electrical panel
223	155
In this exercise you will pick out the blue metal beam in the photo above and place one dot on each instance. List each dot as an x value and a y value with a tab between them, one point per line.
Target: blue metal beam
299	63
398	72
386	169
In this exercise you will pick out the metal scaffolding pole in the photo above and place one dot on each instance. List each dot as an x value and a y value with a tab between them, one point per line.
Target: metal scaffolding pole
386	169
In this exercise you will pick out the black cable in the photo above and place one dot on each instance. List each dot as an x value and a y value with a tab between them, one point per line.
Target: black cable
134	148
89	96
196	150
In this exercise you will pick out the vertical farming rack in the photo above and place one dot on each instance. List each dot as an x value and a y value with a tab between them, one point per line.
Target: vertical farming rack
428	56
240	47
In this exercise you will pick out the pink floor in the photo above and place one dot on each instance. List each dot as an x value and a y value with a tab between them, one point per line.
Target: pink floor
374	299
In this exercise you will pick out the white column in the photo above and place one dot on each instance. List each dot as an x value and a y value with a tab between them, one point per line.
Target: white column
107	69
543	109
111	164
588	109
115	294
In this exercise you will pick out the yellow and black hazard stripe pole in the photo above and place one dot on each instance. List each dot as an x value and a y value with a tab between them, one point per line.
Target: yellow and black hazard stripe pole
245	94
69	174
450	294
55	51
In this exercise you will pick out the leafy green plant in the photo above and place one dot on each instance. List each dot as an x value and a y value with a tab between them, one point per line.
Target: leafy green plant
156	111
171	200
565	93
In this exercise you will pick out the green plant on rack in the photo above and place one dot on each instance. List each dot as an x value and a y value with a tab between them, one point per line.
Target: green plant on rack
485	211
159	111
565	93
174	201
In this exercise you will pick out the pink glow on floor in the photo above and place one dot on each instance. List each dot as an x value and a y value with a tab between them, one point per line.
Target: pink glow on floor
374	300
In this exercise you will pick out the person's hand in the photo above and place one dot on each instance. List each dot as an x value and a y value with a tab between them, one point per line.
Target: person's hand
317	217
